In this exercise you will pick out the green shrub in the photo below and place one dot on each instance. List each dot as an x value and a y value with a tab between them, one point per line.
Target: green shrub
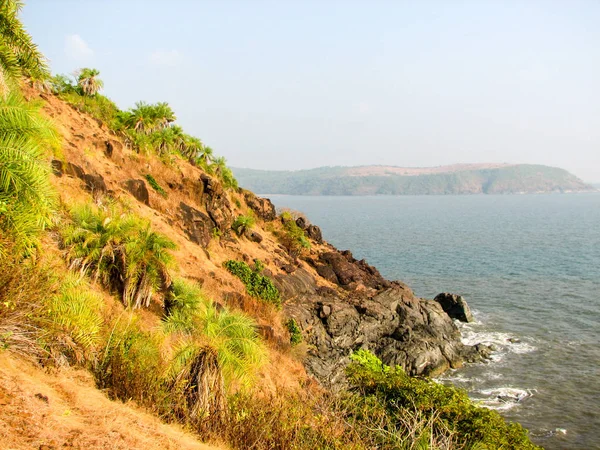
295	331
449	408
241	224
183	302
157	187
120	250
293	237
77	312
257	285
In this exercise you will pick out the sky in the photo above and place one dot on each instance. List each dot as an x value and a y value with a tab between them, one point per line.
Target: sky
293	84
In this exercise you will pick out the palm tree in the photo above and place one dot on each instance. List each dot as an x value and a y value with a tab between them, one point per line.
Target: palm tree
206	156
26	195
146	119
19	56
147	260
121	251
88	81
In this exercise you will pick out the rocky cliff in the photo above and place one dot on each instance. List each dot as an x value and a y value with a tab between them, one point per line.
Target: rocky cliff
340	304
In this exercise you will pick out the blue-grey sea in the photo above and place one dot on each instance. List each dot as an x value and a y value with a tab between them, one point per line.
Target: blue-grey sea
528	265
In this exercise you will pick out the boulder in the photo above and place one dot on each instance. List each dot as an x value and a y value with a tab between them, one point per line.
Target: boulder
138	189
261	206
314	232
57	167
197	226
216	203
455	306
94	183
302	223
253	236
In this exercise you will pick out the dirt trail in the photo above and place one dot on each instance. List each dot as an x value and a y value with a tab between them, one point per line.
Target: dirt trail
63	410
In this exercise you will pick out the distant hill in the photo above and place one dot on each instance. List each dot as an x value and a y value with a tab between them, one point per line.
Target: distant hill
391	180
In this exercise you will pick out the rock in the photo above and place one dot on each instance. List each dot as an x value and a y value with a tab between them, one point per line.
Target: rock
328	273
301	222
401	329
138	189
57	167
94	183
216	203
288	268
261	206
253	236
455	306
109	148
74	170
196	225
348	271
314	232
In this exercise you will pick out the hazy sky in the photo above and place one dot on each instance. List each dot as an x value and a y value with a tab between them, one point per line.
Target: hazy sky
300	84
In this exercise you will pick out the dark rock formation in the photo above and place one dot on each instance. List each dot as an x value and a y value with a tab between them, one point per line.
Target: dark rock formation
369	312
138	189
261	206
314	232
109	148
57	167
94	183
196	225
74	170
253	236
455	306
301	222
216	203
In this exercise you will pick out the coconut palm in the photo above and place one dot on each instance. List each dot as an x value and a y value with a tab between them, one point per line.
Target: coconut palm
192	147
19	56
121	251
147	260
145	118
88	81
26	195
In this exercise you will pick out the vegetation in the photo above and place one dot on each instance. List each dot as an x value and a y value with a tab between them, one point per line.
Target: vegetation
26	196
338	181
293	238
257	285
19	56
120	250
154	184
451	412
242	224
295	331
197	367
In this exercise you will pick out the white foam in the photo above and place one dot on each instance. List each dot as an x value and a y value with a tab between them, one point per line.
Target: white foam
504	398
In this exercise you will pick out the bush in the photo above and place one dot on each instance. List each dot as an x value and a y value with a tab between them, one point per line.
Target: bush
241	224
76	311
449	409
257	285
295	331
231	335
157	187
120	250
293	237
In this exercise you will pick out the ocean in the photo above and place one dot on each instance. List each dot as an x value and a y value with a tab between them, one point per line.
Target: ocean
529	267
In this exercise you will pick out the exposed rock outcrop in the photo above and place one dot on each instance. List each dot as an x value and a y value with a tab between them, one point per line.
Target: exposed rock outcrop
261	206
197	226
369	312
455	306
138	189
216	203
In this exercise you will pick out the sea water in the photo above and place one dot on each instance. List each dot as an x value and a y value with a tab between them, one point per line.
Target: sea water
529	267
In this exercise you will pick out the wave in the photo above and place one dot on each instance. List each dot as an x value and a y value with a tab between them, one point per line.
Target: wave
503	398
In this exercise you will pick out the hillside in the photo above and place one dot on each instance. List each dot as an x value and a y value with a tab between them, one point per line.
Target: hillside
139	282
391	180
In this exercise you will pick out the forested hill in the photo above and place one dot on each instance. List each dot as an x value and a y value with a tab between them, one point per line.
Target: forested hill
391	180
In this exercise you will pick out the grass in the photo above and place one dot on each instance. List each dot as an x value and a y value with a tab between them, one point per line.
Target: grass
157	187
